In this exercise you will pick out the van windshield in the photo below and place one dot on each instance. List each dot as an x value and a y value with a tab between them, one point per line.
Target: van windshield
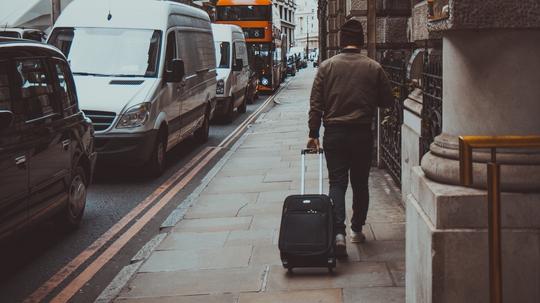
110	51
223	56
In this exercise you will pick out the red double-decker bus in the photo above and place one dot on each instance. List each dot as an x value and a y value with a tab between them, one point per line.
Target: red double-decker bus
262	29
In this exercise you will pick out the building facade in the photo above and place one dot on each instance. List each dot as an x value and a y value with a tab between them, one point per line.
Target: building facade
287	13
307	25
458	67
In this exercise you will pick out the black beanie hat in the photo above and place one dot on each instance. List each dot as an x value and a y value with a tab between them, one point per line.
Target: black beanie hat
351	33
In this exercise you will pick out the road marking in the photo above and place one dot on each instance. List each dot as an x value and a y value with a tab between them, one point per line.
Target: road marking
74	264
73	287
248	121
210	152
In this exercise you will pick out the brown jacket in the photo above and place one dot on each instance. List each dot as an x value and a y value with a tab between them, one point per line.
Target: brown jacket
347	90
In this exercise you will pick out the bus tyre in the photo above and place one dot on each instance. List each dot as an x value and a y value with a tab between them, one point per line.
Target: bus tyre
156	163
201	135
229	115
243	107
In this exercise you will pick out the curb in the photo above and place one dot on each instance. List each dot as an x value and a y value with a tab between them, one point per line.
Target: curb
114	288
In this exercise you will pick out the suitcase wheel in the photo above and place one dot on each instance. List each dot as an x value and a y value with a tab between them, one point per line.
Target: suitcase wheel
290	270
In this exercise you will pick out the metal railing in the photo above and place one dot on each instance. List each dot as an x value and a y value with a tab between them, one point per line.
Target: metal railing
466	146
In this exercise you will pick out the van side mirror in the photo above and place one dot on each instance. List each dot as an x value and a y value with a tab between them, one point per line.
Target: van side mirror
6	118
238	65
177	72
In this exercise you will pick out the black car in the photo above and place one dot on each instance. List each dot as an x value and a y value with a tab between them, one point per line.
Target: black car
47	153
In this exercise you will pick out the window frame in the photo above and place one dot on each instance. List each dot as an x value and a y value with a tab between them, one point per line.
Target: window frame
70	85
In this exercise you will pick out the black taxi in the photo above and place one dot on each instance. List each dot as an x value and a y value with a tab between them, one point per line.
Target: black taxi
47	152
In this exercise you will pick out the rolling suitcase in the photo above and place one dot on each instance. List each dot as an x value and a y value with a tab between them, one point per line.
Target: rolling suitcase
306	235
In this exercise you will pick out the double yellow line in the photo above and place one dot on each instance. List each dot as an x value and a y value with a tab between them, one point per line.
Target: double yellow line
144	211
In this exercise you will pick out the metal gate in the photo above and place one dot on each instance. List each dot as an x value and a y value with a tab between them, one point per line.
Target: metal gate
391	119
432	86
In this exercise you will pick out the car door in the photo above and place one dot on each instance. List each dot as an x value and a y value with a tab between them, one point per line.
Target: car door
13	161
171	95
49	155
192	97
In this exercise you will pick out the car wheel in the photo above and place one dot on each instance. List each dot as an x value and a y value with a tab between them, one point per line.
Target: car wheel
243	107
156	163
71	216
201	135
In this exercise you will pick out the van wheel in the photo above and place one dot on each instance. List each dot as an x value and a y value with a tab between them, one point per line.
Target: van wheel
201	135
243	107
156	163
250	98
72	214
229	115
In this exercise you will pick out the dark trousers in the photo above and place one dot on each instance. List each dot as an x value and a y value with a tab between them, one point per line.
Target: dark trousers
348	152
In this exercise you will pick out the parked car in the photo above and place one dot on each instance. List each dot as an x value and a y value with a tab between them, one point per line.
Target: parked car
146	75
22	33
232	69
291	66
46	144
252	86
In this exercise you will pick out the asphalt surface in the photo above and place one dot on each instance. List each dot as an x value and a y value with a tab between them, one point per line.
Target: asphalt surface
30	259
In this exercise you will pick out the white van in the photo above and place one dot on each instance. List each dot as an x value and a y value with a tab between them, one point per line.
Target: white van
232	70
145	73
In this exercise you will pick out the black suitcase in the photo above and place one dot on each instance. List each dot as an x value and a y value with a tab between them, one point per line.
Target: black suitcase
306	235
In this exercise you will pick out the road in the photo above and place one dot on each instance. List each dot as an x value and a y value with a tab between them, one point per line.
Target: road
34	257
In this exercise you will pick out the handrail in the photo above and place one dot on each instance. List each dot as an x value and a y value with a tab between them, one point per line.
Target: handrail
466	146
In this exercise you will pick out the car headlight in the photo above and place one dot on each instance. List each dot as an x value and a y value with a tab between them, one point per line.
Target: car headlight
135	116
264	81
220	88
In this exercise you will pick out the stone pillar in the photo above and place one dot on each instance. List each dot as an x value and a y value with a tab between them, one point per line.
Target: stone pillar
491	76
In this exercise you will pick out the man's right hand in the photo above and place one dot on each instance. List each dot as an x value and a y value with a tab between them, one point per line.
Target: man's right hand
313	143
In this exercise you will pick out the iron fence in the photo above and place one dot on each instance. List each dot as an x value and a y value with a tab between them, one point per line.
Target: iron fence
432	86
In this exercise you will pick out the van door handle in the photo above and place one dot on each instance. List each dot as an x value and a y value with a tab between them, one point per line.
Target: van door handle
20	161
65	144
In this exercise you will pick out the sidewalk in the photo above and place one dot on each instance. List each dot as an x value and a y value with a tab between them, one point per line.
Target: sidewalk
225	248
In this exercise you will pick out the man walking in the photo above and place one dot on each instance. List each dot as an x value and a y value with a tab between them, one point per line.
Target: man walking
346	92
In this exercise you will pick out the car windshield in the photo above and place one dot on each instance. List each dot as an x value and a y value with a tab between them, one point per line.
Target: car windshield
223	50
110	51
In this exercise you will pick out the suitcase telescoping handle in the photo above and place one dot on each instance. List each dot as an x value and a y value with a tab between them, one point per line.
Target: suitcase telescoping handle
305	151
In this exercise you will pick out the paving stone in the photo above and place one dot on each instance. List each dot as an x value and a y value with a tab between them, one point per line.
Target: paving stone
307	296
173	260
265	221
381	251
183	283
213	224
388	231
252	209
374	295
385	215
193	241
397	268
221	187
265	255
222	298
251	237
229	171
275	196
363	274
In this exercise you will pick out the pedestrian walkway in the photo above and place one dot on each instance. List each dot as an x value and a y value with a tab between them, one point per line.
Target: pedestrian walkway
225	248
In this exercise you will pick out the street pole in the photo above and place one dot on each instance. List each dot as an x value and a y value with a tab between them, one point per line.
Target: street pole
55	11
371	28
307	35
371	48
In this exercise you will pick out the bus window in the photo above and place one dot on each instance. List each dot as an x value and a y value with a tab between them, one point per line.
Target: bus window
244	13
